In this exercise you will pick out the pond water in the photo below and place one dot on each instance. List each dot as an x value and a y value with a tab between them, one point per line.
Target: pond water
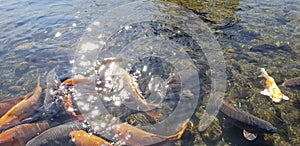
36	36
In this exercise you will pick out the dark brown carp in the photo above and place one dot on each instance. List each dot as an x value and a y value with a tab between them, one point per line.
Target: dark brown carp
246	121
57	135
20	135
292	83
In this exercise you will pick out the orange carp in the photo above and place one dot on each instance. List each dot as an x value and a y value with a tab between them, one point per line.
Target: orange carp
82	138
73	81
272	89
8	103
22	110
20	135
137	137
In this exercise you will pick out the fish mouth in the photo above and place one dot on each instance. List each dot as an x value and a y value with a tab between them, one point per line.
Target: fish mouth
270	130
273	130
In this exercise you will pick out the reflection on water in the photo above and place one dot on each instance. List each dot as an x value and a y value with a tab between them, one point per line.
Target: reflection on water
30	47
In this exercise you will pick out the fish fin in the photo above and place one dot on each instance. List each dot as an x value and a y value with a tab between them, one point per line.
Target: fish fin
27	96
153	115
261	76
68	81
52	82
276	99
39	81
179	133
8	115
265	92
249	136
285	97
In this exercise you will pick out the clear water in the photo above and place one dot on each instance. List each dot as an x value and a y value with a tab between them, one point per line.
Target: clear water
36	36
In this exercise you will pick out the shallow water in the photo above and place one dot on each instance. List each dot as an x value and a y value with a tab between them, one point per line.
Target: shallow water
37	36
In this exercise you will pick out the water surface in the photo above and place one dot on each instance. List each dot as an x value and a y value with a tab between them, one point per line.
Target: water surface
36	36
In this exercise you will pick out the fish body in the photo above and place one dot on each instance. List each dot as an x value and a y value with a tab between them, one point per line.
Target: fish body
135	91
22	110
8	103
292	83
137	137
138	101
243	120
57	135
267	48
52	83
82	138
272	89
20	135
74	81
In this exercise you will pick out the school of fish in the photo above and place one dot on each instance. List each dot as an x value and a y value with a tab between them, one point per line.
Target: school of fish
24	121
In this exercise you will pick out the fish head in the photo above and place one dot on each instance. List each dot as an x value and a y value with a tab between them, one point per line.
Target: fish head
76	135
120	130
271	130
263	71
267	128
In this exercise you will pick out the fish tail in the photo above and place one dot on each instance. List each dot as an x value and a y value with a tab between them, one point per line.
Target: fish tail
179	133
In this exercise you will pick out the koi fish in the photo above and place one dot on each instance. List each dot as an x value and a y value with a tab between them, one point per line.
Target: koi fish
141	103
58	135
68	106
22	110
82	138
8	103
52	83
73	81
55	88
292	83
19	135
272	89
137	137
250	124
131	86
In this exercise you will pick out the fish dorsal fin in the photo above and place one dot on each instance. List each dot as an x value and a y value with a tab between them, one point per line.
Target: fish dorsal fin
39	82
249	136
179	133
265	92
52	82
38	88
